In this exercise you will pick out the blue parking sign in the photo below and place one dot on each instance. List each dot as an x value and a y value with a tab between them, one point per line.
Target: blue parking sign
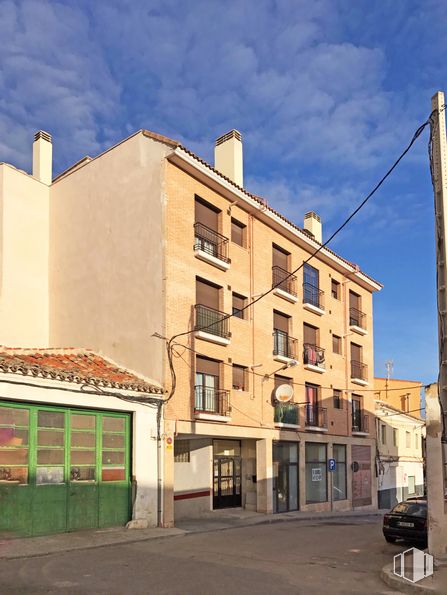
332	464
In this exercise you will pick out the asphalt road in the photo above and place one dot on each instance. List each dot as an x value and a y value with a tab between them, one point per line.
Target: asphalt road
299	557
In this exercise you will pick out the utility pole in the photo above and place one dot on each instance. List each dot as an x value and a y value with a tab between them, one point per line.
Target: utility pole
436	455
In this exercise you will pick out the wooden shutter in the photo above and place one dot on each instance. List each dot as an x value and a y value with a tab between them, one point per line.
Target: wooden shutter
356	352
206	214
280	257
237	232
207	366
354	300
280	322
207	294
310	334
238	377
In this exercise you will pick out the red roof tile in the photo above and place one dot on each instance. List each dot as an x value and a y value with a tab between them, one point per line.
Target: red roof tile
74	365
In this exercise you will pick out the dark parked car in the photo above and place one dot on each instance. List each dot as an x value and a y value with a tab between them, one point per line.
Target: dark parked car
407	521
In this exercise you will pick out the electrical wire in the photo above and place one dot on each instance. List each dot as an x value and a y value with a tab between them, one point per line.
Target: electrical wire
169	342
293	382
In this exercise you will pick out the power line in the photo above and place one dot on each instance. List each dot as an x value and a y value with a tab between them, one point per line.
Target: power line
294	383
169	342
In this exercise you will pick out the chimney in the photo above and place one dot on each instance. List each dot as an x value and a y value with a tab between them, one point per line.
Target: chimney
312	225
228	156
43	157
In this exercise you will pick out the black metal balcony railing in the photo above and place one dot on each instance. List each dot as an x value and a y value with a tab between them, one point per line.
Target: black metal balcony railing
282	279
357	318
359	370
313	355
211	321
313	295
316	416
211	242
211	400
283	344
287	413
360	422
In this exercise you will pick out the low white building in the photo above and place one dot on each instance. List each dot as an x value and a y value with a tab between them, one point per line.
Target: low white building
400	462
79	443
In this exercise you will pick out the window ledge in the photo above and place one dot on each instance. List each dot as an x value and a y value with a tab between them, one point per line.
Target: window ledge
358	329
359	381
314	368
314	309
356	433
316	429
217	262
278	424
283	359
212	338
285	295
211	417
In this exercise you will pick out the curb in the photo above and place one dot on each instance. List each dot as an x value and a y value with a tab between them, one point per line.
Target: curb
400	584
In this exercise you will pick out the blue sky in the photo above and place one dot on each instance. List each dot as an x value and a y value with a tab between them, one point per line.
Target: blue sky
326	94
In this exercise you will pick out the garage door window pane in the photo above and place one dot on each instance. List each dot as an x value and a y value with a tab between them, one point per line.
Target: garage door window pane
14	474
45	475
50	456
13	456
50	438
113	449
83	447
113	424
50	419
10	416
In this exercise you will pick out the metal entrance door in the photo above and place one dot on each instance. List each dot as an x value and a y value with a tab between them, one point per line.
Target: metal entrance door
227	482
285	476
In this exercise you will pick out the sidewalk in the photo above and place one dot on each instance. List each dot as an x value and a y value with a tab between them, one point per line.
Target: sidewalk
214	521
431	585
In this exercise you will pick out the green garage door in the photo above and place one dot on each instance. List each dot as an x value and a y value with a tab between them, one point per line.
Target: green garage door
62	469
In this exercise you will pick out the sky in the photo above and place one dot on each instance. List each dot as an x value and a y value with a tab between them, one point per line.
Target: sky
326	94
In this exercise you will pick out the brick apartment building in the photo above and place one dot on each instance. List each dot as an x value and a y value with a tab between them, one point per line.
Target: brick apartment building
147	239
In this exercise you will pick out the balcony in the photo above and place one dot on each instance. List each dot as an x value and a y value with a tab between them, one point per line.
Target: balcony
313	299
287	415
313	358
359	373
211	404
211	246
284	284
211	325
284	347
316	418
360	423
357	321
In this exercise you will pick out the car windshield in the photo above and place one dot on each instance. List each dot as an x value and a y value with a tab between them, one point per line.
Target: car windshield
411	508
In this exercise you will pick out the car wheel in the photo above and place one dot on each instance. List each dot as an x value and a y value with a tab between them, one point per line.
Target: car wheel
390	539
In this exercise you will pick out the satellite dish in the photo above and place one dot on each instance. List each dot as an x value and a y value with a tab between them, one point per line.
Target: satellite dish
283	393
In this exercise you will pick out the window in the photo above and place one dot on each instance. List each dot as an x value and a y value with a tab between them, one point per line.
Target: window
335	289
404	402
395	437
336	344
416	441
207	385
238	233
240	377
181	451
339	475
280	257
338	402
239	302
14	440
316	473
408	439
383	433
411	484
113	448
282	380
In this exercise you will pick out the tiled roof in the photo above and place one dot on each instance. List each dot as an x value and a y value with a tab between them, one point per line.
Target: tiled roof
79	366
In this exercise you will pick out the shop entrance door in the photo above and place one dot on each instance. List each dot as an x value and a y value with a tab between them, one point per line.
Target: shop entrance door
285	476
227	482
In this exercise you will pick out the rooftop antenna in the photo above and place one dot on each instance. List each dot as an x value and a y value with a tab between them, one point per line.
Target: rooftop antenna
389	365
